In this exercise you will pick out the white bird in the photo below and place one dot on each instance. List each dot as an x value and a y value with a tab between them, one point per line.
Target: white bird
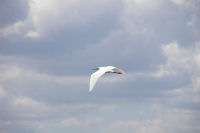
101	70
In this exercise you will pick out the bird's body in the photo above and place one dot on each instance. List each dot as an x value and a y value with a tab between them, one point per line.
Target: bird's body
100	71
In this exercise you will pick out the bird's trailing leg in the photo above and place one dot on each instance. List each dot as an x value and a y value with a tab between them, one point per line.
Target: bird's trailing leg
95	68
117	72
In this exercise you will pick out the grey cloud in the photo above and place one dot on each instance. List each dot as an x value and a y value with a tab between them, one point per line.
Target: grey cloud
133	43
196	18
192	7
45	79
12	11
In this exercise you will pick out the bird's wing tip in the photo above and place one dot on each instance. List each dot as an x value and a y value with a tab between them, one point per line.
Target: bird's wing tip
90	89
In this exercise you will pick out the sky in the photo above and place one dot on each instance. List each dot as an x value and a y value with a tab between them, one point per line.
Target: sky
48	49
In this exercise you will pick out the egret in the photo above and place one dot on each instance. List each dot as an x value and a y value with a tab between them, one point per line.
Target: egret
100	71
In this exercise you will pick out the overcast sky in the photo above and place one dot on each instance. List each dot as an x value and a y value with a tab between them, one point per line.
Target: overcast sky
48	48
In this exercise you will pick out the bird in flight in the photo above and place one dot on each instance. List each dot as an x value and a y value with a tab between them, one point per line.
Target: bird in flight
100	71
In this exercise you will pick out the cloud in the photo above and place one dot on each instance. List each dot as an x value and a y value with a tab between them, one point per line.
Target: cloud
15	72
22	81
13	29
173	120
185	63
180	60
179	2
2	91
73	122
12	12
48	51
193	7
178	63
46	17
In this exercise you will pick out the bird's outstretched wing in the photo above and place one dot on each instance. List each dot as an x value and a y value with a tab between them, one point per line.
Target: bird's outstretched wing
94	77
119	71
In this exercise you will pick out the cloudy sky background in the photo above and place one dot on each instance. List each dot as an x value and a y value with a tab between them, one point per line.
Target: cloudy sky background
48	48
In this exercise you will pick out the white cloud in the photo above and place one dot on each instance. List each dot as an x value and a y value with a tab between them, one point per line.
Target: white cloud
193	7
186	4
179	119
45	17
179	2
184	97
108	108
50	16
179	60
196	83
17	101
2	92
32	34
142	6
135	13
74	122
167	120
150	126
71	122
10	73
12	29
183	62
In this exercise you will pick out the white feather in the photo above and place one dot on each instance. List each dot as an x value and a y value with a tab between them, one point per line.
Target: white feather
101	70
